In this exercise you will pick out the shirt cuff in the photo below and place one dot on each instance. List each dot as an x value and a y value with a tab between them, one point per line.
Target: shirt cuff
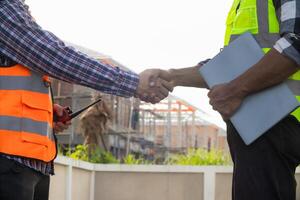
289	45
126	83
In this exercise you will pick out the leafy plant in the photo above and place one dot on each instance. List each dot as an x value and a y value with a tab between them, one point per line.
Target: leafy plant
131	160
96	155
199	157
193	157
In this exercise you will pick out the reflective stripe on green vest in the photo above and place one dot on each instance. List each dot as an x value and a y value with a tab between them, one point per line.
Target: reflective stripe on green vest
259	18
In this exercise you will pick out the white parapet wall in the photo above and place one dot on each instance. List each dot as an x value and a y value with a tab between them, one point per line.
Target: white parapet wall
78	180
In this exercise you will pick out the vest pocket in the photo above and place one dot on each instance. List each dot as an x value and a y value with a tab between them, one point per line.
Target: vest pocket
36	121
245	20
37	107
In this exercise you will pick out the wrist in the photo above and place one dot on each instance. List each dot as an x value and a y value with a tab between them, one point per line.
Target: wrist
137	88
182	76
174	75
188	77
239	89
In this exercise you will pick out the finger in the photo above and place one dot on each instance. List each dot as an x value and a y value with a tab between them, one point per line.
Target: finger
59	126
164	92
225	117
155	100
144	98
214	108
209	94
64	127
167	84
57	130
157	96
160	97
68	123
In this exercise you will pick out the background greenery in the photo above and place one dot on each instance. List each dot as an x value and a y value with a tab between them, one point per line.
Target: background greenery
192	157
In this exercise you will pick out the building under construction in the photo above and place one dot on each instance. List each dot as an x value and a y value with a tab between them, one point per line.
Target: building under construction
136	127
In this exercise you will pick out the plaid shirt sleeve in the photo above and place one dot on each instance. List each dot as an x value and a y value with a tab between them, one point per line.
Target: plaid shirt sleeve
288	14
25	42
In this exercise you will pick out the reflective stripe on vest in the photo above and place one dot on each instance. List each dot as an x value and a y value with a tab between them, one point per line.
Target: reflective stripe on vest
26	114
265	13
30	83
263	37
25	125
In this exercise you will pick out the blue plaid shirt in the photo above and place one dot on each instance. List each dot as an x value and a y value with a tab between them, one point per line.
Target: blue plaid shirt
25	42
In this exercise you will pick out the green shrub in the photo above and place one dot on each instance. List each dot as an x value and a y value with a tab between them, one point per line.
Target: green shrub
199	157
97	155
131	160
193	157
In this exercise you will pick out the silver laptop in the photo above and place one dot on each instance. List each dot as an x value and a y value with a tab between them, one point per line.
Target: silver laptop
261	111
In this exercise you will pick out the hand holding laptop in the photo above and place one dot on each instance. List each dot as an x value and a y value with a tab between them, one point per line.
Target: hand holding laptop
226	98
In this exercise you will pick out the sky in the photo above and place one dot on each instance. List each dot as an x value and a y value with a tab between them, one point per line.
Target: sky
143	34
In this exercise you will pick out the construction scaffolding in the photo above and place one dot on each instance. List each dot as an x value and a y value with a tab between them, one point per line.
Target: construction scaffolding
140	128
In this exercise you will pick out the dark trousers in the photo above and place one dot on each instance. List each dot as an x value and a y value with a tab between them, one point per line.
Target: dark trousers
265	170
21	183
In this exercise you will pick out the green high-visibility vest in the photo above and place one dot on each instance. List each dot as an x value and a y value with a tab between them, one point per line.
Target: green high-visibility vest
259	18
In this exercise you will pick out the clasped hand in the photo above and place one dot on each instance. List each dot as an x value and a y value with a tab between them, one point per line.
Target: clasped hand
154	85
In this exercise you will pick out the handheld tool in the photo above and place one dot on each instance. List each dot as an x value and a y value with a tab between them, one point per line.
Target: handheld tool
69	115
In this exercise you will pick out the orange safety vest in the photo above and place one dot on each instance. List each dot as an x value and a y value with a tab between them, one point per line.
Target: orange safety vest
26	114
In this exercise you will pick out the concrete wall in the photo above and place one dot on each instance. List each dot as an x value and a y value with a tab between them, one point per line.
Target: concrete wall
148	186
77	180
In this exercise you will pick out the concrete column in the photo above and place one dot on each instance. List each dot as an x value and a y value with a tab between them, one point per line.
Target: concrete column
92	186
69	181
209	184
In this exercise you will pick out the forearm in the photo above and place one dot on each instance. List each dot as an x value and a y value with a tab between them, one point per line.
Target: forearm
272	69
25	42
188	77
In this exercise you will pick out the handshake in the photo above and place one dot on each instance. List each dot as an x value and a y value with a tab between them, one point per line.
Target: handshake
154	85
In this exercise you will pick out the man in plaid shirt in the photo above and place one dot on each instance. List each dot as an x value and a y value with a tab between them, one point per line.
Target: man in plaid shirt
24	42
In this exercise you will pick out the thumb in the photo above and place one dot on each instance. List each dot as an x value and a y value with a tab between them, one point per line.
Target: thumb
168	85
58	109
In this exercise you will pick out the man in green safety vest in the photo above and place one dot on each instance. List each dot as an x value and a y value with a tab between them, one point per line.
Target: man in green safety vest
265	169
